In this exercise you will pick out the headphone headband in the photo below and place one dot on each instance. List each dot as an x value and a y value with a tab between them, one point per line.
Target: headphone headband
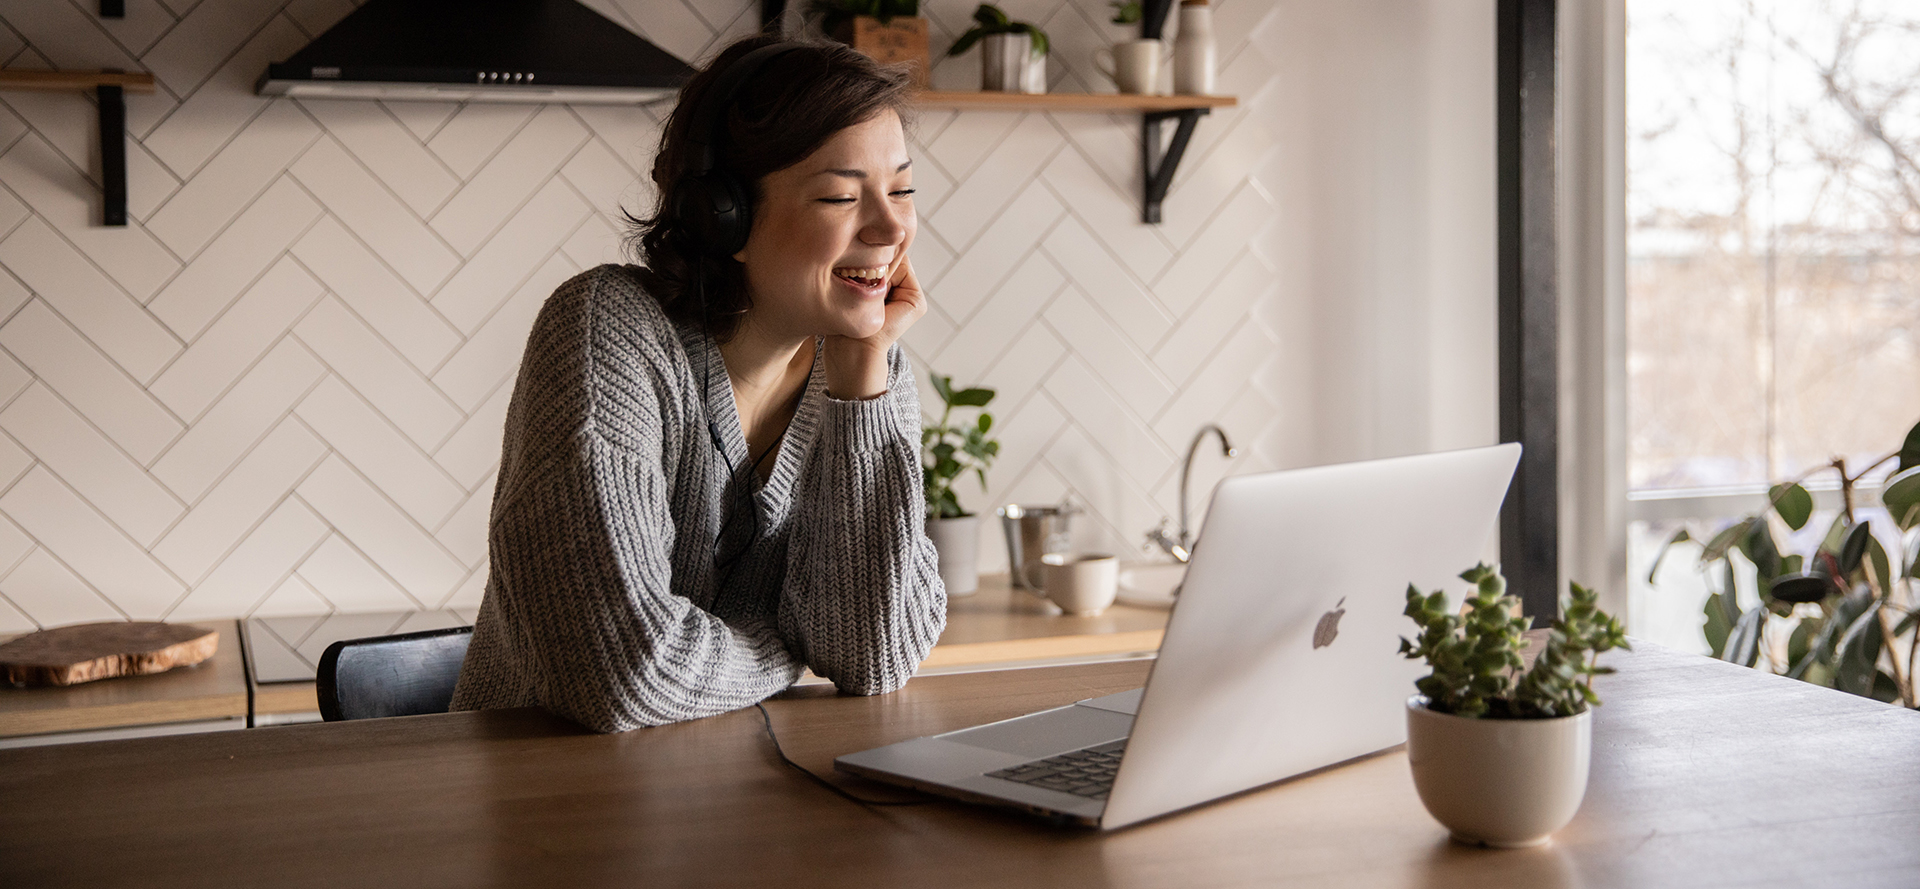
703	130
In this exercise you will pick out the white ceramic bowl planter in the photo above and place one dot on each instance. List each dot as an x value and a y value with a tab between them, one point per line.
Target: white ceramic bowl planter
1507	783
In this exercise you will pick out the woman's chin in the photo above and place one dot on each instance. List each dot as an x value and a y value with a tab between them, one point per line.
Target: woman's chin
861	326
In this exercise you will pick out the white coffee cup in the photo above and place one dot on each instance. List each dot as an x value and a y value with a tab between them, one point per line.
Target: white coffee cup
1083	584
1133	65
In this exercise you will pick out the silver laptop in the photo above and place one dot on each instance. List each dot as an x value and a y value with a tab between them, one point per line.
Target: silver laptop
1280	657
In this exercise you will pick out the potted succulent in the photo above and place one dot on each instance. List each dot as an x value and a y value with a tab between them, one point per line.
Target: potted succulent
1499	751
948	451
1013	55
887	30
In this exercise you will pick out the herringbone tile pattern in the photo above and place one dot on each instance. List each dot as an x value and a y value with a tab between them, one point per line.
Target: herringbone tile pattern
280	389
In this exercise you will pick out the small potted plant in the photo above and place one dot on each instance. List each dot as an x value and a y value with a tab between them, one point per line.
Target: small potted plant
948	451
1013	55
889	31
1500	752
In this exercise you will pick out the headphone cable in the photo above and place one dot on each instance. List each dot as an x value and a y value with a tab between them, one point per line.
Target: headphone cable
767	719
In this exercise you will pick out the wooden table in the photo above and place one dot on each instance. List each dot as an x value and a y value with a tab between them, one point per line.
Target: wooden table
207	695
1704	774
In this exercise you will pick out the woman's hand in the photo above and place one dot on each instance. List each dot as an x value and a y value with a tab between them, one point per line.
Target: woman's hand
857	368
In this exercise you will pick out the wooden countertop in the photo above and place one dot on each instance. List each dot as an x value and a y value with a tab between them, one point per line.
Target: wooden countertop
1704	774
996	627
212	689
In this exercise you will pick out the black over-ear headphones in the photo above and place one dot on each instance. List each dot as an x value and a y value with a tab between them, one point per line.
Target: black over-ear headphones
712	206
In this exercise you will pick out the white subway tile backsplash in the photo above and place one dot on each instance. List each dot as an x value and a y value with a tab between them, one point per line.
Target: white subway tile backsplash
64	198
492	354
465	532
473	450
86	460
381	376
240	500
291	599
437	229
351	583
88	299
264	395
258	565
233	178
422	119
76	370
371	522
89	544
527	239
393	464
53	595
368	208
205	36
378	139
237	339
475	132
981	197
360	280
13	620
522	166
210	116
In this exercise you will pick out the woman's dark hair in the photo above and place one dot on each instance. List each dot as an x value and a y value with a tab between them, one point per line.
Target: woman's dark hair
783	113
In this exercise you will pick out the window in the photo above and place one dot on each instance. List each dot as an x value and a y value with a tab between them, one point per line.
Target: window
1773	281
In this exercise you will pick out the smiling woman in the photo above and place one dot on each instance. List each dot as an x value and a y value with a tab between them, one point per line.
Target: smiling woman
710	478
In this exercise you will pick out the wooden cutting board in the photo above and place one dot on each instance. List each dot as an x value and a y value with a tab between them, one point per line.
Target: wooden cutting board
85	652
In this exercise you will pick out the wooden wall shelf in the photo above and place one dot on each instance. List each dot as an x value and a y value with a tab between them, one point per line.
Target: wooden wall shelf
110	89
1157	163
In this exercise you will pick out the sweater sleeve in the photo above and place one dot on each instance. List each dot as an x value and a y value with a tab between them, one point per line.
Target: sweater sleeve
863	602
584	588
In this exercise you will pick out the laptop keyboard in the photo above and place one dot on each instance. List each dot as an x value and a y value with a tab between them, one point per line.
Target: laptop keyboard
1087	772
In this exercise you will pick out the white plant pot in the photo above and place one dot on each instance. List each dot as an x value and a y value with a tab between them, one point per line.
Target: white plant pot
1507	783
958	543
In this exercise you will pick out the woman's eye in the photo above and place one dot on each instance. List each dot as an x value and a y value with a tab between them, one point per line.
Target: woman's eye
905	192
836	200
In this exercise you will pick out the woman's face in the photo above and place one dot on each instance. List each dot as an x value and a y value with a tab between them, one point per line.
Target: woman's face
829	233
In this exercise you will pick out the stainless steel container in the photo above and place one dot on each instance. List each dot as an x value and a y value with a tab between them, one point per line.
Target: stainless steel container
1032	532
1004	59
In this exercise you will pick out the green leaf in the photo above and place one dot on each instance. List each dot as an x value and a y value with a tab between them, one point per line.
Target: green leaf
972	397
1760	549
1743	644
1126	13
985	423
944	386
1041	46
1661	556
1721	542
1854	548
1801	587
1910	450
990	16
1906	623
1793	503
1730	594
1859	651
1877	557
966	41
1716	627
1901	496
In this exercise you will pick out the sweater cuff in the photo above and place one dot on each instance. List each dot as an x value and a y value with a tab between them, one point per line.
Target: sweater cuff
866	425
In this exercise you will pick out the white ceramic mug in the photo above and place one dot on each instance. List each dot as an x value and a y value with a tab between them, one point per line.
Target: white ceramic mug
1081	585
1133	65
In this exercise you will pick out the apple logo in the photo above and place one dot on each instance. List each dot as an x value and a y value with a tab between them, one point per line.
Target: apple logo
1329	625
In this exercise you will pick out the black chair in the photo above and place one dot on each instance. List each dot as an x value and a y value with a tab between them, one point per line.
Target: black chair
391	675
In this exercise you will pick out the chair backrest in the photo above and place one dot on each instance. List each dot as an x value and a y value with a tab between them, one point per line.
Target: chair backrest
391	675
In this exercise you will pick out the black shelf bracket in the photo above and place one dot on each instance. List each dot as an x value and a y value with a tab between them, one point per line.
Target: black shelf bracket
113	154
1157	165
113	9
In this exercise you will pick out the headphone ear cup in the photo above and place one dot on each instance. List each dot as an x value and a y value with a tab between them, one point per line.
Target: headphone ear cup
714	211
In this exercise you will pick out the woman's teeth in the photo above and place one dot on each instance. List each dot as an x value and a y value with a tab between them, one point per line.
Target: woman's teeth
863	277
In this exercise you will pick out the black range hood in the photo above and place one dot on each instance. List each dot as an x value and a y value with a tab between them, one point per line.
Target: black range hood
481	51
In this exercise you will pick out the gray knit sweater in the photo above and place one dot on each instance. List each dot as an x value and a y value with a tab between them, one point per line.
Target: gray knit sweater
630	583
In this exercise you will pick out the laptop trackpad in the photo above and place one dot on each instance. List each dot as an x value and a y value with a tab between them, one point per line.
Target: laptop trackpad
1048	732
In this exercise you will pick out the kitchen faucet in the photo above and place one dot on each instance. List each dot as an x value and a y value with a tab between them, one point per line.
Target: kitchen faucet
1181	548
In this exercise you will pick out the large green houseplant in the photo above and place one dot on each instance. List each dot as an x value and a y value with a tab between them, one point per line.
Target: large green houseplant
1500	750
1841	615
949	449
